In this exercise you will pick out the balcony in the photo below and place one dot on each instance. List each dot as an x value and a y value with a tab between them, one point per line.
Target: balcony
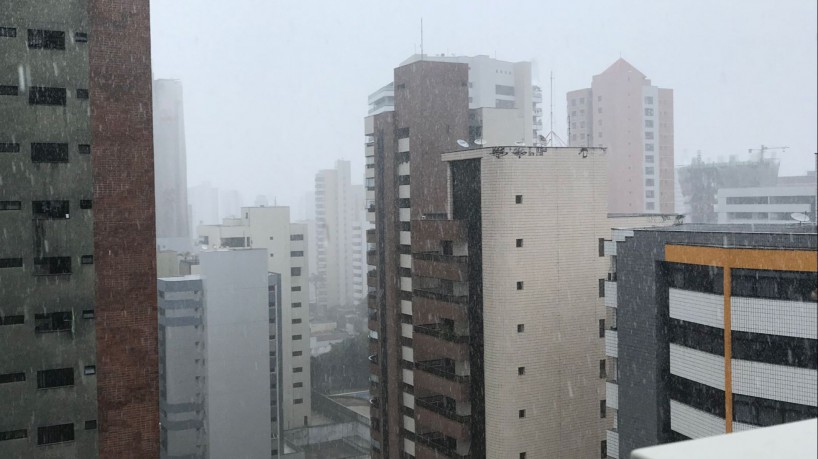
424	231
436	340
434	445
441	294
439	266
611	343
439	376
426	309
438	413
610	294
372	257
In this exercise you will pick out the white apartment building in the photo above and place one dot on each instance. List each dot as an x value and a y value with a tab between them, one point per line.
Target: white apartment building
286	243
765	204
213	326
340	221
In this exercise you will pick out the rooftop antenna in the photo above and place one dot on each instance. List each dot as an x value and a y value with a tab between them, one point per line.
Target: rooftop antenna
550	138
421	38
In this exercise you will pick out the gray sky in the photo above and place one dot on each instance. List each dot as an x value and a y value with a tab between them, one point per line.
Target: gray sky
276	90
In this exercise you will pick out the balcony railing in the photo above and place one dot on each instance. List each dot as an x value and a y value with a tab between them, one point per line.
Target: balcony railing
443	368
436	256
441	294
441	331
443	406
441	443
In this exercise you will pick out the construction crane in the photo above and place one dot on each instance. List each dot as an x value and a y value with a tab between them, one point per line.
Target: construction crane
764	149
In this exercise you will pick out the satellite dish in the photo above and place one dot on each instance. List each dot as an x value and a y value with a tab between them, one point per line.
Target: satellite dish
519	143
800	217
480	141
463	143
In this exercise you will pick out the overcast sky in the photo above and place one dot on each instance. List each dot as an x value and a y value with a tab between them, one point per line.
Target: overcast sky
275	91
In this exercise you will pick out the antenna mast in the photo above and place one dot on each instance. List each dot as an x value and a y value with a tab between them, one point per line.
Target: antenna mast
549	139
421	38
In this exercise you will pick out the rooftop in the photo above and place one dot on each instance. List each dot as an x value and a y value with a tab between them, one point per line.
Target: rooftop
794	228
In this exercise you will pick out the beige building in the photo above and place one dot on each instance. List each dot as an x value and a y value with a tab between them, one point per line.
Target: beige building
624	112
270	228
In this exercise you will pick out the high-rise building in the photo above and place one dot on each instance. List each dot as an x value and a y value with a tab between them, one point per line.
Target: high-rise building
212	327
78	376
624	112
270	228
483	283
712	330
339	213
172	226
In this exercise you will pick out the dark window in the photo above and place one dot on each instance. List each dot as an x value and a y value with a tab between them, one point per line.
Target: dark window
296	337
298	353
11	262
9	32
55	434
10	205
518	199
522	456
402	133
297	253
82	94
295	289
89	370
404	179
603	411
55	378
235	242
84	149
601	328
81	37
49	152
9	147
603	373
12	320
295	271
649	182
52	266
504	90
13	434
46	39
603	446
52	322
294	237
88	314
296	321
52	210
519	242
404	203
499	103
520	328
298	401
298	384
521	413
601	288
12	377
297	369
38	95
520	371
86	204
296	305
405	226
91	425
7	90
519	285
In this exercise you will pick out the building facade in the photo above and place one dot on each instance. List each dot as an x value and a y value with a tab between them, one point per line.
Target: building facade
270	228
712	330
766	205
77	197
624	112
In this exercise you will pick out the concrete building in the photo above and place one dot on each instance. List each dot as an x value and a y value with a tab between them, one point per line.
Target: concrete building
340	218
766	204
73	206
204	206
270	228
712	329
172	225
624	112
468	284
212	327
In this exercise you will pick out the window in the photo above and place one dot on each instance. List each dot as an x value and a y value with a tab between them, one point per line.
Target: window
403	180
9	148
602	409
519	242
648	123
81	37
38	95
296	321
296	305
52	322
12	378
504	90
519	285
648	112
297	369
49	152
88	314
8	32
6	90
295	271
51	210
55	434
12	320
295	289
499	103
82	94
602	372
521	413
601	328
46	39
603	446
298	401
298	353
520	328
518	199
649	135
297	253
402	133
10	205
87	260
85	203
297	385
648	158
649	194
51	266
601	288
11	262
520	371
60	377
294	237
84	149
648	100
649	170
13	434
89	370
649	182
296	337
650	206
91	425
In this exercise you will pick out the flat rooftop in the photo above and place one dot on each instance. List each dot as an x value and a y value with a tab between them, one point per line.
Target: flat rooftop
794	228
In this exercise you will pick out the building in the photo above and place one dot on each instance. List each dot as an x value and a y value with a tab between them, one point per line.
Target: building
172	225
270	228
765	205
76	378
624	112
712	329
204	206
493	84
340	219
212	327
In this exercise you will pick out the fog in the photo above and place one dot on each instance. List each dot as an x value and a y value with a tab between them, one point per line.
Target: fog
275	91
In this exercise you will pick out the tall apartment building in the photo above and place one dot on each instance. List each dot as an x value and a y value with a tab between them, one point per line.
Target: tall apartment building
712	330
339	216
493	84
624	112
270	228
484	314
172	219
212	327
78	376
